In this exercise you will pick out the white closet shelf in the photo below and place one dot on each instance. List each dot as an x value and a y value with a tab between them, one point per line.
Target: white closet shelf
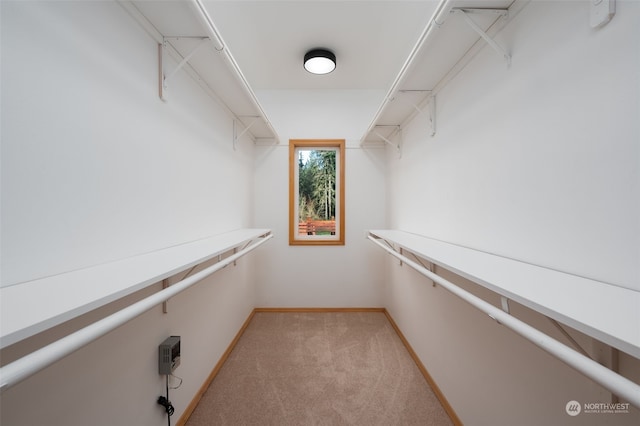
187	33
456	32
603	311
31	307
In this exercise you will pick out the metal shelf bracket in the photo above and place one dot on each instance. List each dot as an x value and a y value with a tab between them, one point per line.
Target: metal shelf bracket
237	135
432	114
505	304
416	107
573	341
164	76
491	42
396	145
431	99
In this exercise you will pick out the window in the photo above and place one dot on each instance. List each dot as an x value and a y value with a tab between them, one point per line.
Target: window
316	192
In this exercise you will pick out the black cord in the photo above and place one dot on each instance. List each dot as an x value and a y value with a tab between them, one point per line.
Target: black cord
168	408
171	406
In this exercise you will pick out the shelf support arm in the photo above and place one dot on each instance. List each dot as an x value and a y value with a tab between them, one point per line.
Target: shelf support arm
491	42
504	302
384	138
573	341
237	135
431	106
416	107
432	114
166	77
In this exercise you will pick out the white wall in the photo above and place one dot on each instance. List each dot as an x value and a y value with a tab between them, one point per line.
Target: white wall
537	162
90	155
329	276
94	168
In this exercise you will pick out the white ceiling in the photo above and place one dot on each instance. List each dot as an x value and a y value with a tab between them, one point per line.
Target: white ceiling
371	39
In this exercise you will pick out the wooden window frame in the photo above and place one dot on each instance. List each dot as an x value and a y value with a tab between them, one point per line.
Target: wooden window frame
294	239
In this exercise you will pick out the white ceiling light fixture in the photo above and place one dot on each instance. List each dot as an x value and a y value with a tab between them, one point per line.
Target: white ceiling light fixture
319	61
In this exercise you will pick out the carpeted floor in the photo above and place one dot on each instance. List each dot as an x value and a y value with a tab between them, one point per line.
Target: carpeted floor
319	369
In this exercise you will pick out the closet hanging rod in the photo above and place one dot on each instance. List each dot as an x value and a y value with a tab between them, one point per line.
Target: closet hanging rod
30	364
619	385
221	47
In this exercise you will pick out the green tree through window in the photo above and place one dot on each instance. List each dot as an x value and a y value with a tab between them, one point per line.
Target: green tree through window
316	192
316	184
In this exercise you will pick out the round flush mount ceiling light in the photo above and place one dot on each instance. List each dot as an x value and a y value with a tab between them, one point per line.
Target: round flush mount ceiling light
319	61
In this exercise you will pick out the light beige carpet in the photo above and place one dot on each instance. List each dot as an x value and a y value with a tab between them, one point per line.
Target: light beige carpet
319	369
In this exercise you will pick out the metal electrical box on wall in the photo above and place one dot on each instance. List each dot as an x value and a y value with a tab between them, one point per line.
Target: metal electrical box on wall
169	355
